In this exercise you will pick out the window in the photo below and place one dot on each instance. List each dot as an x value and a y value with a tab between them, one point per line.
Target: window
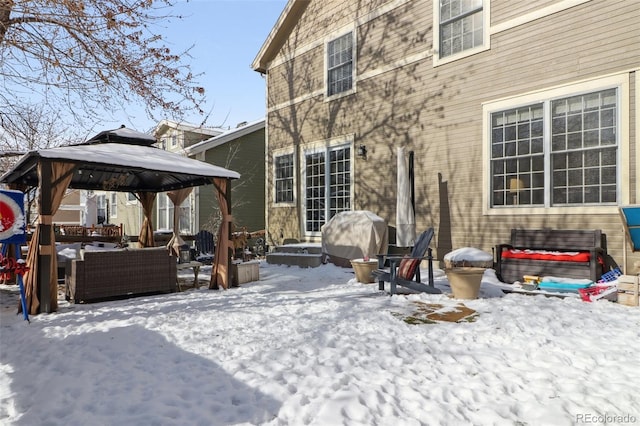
174	141
327	185
461	26
131	197
557	152
283	165
113	205
101	204
340	65
165	211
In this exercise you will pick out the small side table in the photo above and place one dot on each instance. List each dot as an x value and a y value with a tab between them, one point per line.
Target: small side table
195	266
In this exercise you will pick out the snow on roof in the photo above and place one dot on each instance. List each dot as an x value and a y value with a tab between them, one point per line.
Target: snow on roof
145	168
226	137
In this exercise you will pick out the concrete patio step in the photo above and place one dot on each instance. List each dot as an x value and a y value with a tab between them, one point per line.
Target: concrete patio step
299	248
302	255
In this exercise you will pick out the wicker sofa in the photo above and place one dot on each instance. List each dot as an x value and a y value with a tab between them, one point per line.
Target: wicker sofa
101	275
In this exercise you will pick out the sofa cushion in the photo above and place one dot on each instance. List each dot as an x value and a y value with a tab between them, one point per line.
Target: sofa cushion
583	256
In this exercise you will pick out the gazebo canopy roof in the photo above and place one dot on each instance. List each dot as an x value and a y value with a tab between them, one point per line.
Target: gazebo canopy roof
123	167
122	135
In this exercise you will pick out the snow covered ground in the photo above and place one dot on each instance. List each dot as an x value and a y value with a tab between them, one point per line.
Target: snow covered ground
315	347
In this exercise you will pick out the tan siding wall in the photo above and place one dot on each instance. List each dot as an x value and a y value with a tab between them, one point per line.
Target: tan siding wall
504	10
437	112
308	71
67	216
391	37
71	199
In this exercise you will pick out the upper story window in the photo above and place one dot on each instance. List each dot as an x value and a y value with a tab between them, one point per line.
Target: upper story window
174	141
131	197
556	152
283	166
340	65
461	26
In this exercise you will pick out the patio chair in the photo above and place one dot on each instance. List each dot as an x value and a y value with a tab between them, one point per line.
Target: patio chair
204	247
404	271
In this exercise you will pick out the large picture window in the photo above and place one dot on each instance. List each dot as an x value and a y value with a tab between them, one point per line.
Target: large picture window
327	185
340	65
461	26
283	165
557	152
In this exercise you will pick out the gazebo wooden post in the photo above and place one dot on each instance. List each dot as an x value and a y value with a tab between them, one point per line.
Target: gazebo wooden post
44	243
230	252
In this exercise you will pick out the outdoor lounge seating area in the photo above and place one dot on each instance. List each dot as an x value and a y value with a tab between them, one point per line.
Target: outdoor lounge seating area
104	274
578	254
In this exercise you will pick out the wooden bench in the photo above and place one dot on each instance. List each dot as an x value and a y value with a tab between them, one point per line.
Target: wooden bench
569	253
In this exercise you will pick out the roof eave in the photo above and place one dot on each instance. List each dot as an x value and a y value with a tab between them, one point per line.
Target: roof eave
279	33
225	137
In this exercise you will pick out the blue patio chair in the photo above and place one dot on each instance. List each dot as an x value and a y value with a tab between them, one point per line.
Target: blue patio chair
404	271
205	248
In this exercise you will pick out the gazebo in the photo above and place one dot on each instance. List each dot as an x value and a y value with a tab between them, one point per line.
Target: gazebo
120	160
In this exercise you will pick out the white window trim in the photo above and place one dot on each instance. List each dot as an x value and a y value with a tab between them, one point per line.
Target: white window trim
619	81
322	146
189	202
331	37
130	202
280	153
486	36
113	204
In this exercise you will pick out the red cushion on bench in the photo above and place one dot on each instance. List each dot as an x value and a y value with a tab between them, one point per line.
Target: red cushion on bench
407	268
583	256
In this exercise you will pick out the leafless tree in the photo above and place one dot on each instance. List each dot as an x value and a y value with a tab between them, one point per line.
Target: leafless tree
80	55
28	127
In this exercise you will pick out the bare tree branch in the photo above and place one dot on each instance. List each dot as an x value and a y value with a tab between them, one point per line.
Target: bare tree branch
93	54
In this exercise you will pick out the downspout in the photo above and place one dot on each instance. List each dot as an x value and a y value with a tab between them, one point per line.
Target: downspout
412	182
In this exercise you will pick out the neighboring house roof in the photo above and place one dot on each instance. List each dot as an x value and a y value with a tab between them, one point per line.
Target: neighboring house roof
225	137
279	33
165	125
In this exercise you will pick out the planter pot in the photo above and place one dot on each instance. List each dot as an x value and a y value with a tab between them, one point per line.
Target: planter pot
363	269
465	282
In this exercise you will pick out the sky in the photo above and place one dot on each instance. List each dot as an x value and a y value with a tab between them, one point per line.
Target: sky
226	35
315	347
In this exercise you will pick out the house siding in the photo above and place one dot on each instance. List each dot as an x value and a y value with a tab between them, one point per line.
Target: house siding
504	10
246	156
438	111
70	210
